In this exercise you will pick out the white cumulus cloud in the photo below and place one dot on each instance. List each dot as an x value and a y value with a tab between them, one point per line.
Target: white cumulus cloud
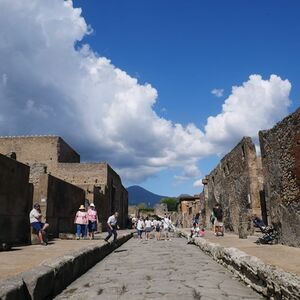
51	85
198	183
218	92
255	105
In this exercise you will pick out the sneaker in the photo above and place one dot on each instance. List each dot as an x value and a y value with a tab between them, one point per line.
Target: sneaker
44	244
106	241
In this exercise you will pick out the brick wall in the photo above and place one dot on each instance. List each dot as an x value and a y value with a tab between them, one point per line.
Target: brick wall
280	148
15	200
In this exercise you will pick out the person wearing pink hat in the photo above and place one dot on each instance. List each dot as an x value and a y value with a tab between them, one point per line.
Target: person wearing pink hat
81	221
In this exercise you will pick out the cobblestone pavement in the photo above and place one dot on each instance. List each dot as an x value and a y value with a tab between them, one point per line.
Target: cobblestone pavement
158	270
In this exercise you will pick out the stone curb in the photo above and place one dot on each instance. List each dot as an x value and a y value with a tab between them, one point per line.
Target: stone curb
270	281
52	276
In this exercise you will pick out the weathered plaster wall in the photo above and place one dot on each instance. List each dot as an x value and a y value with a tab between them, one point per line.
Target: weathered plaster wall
15	201
280	148
236	183
59	202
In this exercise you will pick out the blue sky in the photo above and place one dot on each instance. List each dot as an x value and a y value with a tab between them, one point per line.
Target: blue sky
185	49
130	82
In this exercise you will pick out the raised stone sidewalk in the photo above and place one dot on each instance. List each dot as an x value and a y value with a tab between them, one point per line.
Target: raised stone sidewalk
41	272
272	270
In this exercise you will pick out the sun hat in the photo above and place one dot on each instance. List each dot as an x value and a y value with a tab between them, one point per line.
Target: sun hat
81	207
92	204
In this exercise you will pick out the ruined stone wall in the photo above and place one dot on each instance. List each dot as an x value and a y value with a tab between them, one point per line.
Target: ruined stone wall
59	202
50	154
189	208
15	201
103	187
160	209
39	149
81	173
235	184
118	195
280	149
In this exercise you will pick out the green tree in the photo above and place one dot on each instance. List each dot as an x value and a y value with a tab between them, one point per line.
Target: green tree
171	203
142	205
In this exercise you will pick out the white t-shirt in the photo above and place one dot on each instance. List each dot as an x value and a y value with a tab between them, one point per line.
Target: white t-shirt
148	224
166	223
34	216
112	220
140	225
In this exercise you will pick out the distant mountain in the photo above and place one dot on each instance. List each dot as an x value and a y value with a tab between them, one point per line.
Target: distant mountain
137	194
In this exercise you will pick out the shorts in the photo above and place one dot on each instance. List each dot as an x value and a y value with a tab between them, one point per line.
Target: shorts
37	226
218	223
148	229
92	226
157	229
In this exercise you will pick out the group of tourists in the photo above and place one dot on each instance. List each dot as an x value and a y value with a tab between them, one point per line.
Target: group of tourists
85	221
148	225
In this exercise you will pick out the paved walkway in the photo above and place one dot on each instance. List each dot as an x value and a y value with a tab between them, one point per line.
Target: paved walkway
158	270
22	259
284	257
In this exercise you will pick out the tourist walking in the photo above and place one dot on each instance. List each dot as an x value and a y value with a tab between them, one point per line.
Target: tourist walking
92	219
112	227
140	227
148	227
40	228
157	226
81	221
218	221
166	226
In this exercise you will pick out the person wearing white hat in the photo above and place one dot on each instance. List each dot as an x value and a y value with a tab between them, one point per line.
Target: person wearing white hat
81	221
92	218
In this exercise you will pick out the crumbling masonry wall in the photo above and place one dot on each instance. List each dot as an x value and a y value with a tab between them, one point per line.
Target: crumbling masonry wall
51	155
280	149
35	149
15	201
59	201
236	184
103	187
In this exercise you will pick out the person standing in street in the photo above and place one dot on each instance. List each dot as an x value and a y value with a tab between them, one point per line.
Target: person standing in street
166	226
148	228
92	218
218	222
140	227
81	221
112	227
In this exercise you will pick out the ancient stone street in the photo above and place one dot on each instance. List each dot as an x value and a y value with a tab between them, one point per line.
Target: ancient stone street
157	270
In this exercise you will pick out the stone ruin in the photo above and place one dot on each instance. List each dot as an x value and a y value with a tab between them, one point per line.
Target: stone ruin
61	182
267	186
280	150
